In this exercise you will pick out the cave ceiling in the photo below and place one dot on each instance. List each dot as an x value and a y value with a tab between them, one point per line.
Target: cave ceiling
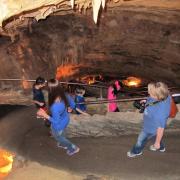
21	12
14	14
127	37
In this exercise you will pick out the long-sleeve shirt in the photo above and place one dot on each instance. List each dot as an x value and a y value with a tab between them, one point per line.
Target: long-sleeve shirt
59	115
112	106
80	99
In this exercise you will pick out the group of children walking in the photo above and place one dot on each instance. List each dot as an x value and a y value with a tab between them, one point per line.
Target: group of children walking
60	103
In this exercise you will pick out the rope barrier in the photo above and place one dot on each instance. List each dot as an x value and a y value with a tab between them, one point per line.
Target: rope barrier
115	100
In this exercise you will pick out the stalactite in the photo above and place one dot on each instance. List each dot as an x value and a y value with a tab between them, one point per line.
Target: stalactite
72	3
96	6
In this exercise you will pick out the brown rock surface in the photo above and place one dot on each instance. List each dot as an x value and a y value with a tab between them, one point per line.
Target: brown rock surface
140	39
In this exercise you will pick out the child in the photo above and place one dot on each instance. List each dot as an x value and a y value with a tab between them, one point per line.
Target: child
112	95
79	98
59	102
38	96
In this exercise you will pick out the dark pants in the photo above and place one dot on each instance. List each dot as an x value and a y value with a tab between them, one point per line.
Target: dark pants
116	110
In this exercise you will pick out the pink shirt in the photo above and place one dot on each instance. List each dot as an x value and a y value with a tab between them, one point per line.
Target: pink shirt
111	106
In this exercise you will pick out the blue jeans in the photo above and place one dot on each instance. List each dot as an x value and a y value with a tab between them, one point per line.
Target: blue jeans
60	138
142	140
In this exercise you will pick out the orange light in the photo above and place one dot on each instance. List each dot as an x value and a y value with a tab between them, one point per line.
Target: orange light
64	71
132	81
91	80
88	79
6	161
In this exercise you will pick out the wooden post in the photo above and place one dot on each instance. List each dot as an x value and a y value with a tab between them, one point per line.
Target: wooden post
101	93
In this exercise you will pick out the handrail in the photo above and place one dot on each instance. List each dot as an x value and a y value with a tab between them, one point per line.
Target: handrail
81	84
115	100
62	82
18	80
118	100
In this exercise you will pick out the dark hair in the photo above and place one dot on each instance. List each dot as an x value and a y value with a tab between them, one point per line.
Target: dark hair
55	91
40	80
115	91
79	89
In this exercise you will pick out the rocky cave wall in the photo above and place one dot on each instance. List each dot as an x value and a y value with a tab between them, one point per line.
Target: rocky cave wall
144	42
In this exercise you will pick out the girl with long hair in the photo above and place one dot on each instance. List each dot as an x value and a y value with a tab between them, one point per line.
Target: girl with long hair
59	102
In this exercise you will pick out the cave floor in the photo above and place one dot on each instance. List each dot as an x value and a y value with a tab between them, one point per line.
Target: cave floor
38	158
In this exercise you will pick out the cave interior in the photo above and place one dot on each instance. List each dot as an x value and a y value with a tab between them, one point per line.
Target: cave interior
87	43
138	39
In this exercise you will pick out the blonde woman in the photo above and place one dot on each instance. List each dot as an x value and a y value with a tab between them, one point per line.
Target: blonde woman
155	116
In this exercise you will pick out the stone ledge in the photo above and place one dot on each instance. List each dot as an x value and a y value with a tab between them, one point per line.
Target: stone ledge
111	124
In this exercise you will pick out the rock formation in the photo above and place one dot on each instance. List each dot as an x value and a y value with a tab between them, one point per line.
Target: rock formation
139	38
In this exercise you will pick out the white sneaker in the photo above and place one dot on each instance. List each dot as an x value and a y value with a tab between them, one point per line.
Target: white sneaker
73	152
152	148
130	154
60	146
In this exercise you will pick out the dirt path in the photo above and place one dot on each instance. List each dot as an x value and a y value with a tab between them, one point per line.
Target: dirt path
102	158
38	158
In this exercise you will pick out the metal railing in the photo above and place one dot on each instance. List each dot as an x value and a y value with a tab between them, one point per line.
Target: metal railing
64	82
104	101
96	86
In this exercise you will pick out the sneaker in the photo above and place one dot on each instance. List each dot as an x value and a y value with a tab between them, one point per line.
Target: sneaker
162	149
60	146
130	154
152	148
73	152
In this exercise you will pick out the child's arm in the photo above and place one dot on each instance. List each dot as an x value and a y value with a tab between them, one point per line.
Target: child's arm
43	114
82	112
38	103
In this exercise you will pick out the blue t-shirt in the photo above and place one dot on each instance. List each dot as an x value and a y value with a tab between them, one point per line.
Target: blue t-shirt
80	99
156	115
71	101
59	116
